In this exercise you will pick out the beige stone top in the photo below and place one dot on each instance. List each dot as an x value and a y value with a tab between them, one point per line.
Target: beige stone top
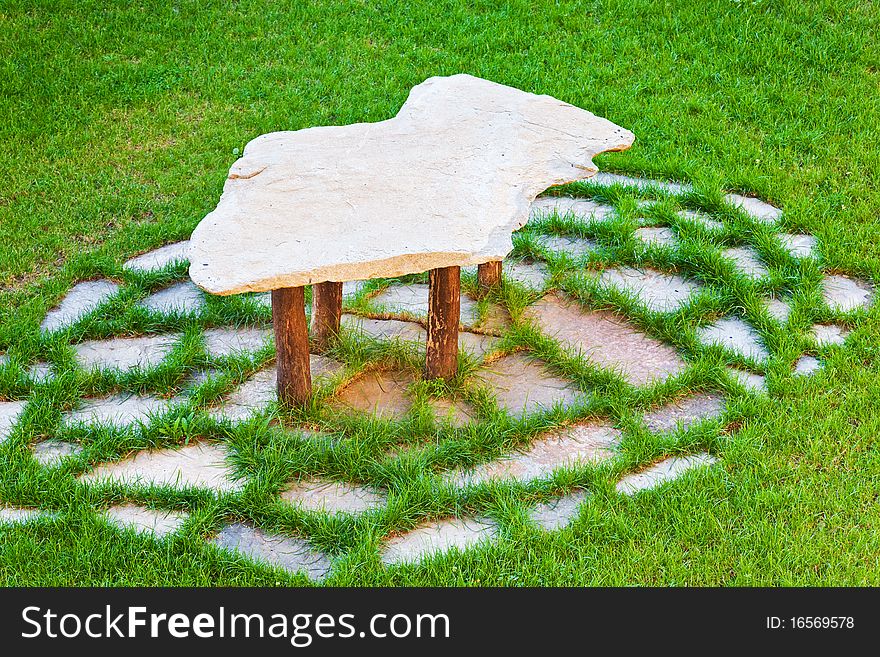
443	183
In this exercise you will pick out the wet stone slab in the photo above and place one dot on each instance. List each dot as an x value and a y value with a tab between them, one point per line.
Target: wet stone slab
52	452
292	554
221	342
829	334
735	335
145	521
438	536
178	299
82	299
662	472
807	365
159	258
844	294
125	353
333	497
119	411
799	245
656	236
685	413
754	207
565	448
656	290
748	380
747	261
606	340
574	247
199	465
566	206
558	513
10	412
522	385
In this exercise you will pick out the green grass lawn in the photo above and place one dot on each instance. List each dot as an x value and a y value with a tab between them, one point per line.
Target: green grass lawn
118	129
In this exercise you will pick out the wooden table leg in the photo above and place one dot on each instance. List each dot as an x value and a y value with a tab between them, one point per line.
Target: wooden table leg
291	345
326	314
489	275
444	309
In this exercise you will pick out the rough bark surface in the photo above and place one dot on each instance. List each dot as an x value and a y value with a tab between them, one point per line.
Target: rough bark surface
292	345
444	308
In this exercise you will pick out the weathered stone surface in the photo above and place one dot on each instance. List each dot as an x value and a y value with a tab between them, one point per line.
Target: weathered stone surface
144	520
735	335
571	246
655	289
844	294
333	497
608	179
522	385
702	219
606	340
748	380
565	448
533	275
178	299
198	465
807	365
125	353
41	372
9	413
117	410
385	329
4	360
799	245
159	258
685	413
747	261
778	309
413	300
380	393
558	513
199	377
292	554
52	452
82	299
656	235
476	344
755	207
457	413
438	536
301	207
220	342
661	472
562	206
13	515
829	334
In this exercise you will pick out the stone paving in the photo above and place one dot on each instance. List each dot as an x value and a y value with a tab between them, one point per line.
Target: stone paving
600	336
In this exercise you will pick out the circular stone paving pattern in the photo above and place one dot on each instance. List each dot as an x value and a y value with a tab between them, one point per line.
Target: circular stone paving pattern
622	293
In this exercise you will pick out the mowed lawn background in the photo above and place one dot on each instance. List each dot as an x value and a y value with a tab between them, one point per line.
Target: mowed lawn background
119	121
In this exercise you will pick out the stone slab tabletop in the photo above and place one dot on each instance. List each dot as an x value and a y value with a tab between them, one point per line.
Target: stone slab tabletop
444	183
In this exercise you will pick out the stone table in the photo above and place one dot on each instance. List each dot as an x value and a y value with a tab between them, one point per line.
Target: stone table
439	186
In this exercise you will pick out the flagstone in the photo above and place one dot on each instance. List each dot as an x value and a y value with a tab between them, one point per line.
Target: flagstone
747	261
178	299
829	334
82	299
145	521
532	275
289	553
656	235
605	339
559	512
735	335
125	353
844	294
16	515
220	342
41	372
159	258
684	413
662	472
379	393
755	207
778	309
51	452
799	245
333	497
607	179
413	300
10	412
562	206
385	329
748	380
572	246
655	289
807	365
120	410
438	536
522	385
476	344
702	219
457	413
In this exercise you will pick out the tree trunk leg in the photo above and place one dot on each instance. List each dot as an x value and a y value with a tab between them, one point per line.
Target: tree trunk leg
326	314
489	275
444	309
291	345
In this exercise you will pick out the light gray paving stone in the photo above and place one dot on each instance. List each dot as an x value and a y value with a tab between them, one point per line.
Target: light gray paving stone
413	300
558	513
41	372
145	521
799	245
125	353
119	410
178	299
685	413
220	342
702	219
522	385
755	207
385	329
4	360
382	393
662	472
747	261
11	515
734	335
197	465
748	380
655	289
778	309
199	377
10	412
159	258
438	536
845	294
656	235
807	365
568	447
50	453
562	206
333	497
476	344
573	247
82	299
533	275
287	552
607	179
829	334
